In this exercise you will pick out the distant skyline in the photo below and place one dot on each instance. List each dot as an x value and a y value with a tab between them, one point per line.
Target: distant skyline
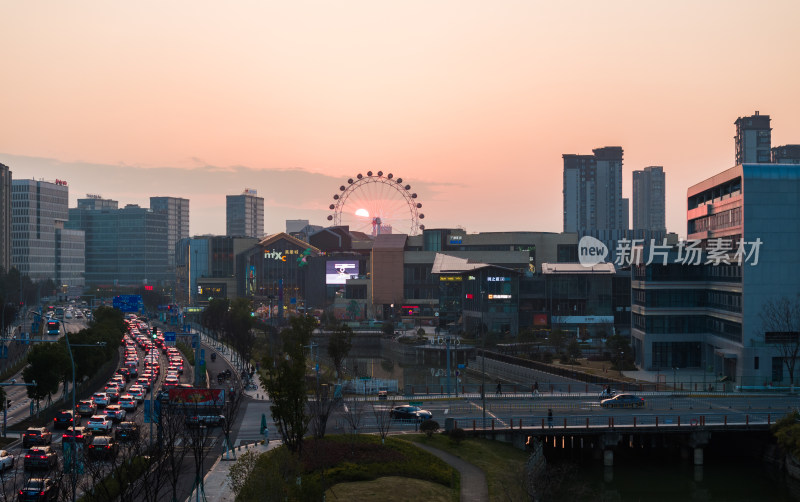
473	103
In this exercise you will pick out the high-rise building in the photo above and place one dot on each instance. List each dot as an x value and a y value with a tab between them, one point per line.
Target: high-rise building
593	191
702	308
244	215
753	139
5	218
786	154
39	208
177	211
124	247
648	199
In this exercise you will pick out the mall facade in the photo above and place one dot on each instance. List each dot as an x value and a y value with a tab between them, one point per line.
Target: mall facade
503	282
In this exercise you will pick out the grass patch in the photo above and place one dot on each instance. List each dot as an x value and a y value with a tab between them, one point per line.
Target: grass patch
340	459
502	463
390	489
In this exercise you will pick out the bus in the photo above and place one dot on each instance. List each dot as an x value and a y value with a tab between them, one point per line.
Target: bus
59	312
53	327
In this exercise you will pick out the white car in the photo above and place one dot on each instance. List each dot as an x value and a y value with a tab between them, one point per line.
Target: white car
6	461
100	422
128	402
100	399
137	392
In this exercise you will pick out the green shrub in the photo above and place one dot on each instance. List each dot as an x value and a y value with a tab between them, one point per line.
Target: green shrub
457	435
429	427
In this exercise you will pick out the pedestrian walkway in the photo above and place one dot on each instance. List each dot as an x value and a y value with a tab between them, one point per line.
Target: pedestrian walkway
473	480
215	482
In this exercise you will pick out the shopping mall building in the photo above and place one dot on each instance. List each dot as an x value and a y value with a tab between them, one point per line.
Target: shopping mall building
503	282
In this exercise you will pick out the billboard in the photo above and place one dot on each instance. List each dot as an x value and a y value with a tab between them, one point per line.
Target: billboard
338	271
128	303
182	396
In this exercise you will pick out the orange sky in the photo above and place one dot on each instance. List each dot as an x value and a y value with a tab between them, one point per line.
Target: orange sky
473	103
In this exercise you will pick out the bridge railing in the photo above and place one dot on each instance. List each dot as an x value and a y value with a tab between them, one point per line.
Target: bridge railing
595	423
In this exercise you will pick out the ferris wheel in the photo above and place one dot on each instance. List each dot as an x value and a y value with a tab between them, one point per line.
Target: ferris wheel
377	204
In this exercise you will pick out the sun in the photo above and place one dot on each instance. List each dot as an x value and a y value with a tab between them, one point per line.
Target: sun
362	212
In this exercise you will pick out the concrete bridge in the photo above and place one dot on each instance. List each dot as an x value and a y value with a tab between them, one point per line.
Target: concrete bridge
607	433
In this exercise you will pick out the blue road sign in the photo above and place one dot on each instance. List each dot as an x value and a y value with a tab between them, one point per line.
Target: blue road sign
187	328
461	366
128	303
169	336
147	411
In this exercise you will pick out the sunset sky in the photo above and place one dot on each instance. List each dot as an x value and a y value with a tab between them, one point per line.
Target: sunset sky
471	102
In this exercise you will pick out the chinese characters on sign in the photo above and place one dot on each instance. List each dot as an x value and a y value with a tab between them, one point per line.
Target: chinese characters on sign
718	251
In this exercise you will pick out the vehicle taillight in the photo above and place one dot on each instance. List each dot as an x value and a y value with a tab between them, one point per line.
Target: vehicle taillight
27	456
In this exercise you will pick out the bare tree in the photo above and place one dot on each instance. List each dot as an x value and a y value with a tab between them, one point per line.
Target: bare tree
780	319
383	418
320	408
354	409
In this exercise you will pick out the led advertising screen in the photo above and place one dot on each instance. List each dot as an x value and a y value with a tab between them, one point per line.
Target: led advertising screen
338	271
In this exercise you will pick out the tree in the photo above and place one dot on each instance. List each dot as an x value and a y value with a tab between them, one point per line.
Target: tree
286	383
339	345
237	326
429	427
213	316
620	349
780	321
558	339
383	419
47	365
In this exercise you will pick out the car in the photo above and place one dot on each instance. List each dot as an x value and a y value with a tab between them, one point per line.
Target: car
86	408
408	412
65	419
623	401
113	394
383	395
100	423
102	447
137	392
79	435
6	460
115	413
100	399
38	489
127	431
36	436
128	403
40	457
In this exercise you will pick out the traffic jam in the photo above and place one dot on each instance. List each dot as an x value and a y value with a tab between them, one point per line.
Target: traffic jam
101	427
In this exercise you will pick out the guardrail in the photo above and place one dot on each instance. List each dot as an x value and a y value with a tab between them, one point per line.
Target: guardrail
646	422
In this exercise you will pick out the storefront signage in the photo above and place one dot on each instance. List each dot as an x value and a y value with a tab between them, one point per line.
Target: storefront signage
498	279
455	239
499	297
280	255
449	278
